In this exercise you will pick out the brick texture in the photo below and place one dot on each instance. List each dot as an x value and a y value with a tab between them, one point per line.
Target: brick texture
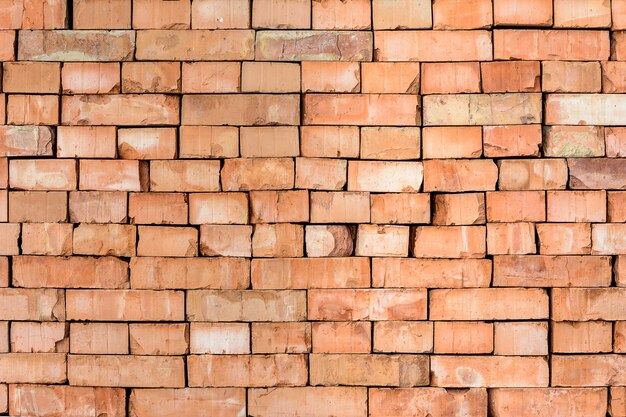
316	208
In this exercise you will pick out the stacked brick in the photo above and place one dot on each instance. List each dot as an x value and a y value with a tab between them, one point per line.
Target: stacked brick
313	208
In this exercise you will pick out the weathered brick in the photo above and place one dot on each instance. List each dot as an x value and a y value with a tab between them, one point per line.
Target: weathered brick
113	175
569	45
393	143
377	240
217	14
511	238
26	141
159	339
459	175
587	109
44	337
294	337
459	209
385	402
206	45
400	208
42	174
281	14
111	14
281	240
616	206
615	138
584	336
33	368
582	14
384	176
518	140
339	14
161	14
208	142
571	77
192	402
511	76
97	206
105	239
516	206
472	14
587	370
584	304
509	402
76	45
167	241
218	208
219	338
147	143
564	238
226	240
430	273
390	78
162	208
532	174
99	338
268	142
342	337
90	78
331	77
302	45
279	206
521	338
86	141
31	77
595	173
322	241
329	141
403	336
32	110
522	13
270	77
211	77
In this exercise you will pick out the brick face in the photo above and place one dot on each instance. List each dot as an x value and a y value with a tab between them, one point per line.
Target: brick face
271	208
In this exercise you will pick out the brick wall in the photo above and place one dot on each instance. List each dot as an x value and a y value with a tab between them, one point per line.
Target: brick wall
313	208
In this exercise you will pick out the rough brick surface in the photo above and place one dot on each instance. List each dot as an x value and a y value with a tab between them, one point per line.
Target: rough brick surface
317	208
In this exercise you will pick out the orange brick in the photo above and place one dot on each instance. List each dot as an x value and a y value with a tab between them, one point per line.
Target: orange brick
619	336
522	12
521	338
162	14
516	206
218	14
384	176
564	238
459	209
400	208
463	337
208	45
281	337
9	240
390	78
545	401
377	240
39	337
329	141
113	175
449	242
402	14
340	207
617	402
587	370
452	142
596	173
281	14
444	78
32	304
282	240
454	14
608	239
582	13
585	304
109	239
279	206
331	77
159	339
584	336
211	77
32	110
208	142
226	240
184	175
393	143
403	336
42	174
341	14
97	207
108	14
551	45
530	174
220	338
90	78
511	238
573	141
459	175
25	141
270	77
616	206
37	206
188	401
342	337
505	77
218	208
33	368
266	402
269	142
47	239
613	77
305	45
571	77
31	77
147	143
257	174
149	208
86	141
99	338
522	140
7	45
434	401
167	241
150	77
75	45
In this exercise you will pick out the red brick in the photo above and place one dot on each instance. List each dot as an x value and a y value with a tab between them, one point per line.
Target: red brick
531	174
113	175
511	238
384	176
584	336
367	304
281	337
268	142
147	143
403	336
384	402
459	209
102	240
577	206
571	77
582	14
521	338
217	14
318	401
208	142
220	338
218	208
99	338
449	242
270	77
329	141
184	175
47	239
159	339
574	45
617	401
278	206
108	14
390	78
597	173
613	77
226	240
509	402
304	45
31	77
516	206
161	14
615	141
42	174
463	337
257	174
151	77
97	207
39	337
616	206
9	240
91	78
619	345
452	142
37	206
281	240
459	175
391	143
32	110
587	370
342	337
211	77
402	14
341	14
584	304
331	77
425	46
86	141
522	140
33	368
126	371
162	208
505	77
167	241
452	14
191	402
564	238
208	45
430	273
400	208
377	240
76	45
522	12
281	14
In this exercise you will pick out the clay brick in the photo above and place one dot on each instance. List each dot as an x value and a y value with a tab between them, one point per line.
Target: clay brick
161	14
619	345
99	338
86	141
460	175
126	371
401	14
384	402
452	142
340	207
329	141
208	142
615	142
367	304
597	173
211	77
403	336
361	109
489	371
304	273
509	402
444	78
541	45
613	77
4	205
281	14
42	174
162	208
488	304
46	401
108	14
532	174
189	273
564	238
47	239
452	14
552	271
449	242
26	141
270	77
150	109
218	208
571	77
617	402
150	77
608	239
582	14
616	206
392	143
37	206
340	14
463	337
482	109
390	78
9	240
220	338
7	45
511	238
618	46
585	336
4	271
147	143
246	370
39	337
331	77
511	77
318	401
377	240
244	109
574	141
342	337
97	207
516	206
159	339
218	14
167	241
281	337
31	77
400	208
521	338
33	368
384	176
112	175
246	305
105	239
191	402
582	109
32	110
76	45
587	370
459	209
226	240
4	343
279	206
269	141
282	240
184	175
430	273
4	172
365	369
305	45
585	304
257	174
90	78
522	12
522	140
125	305
425	46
